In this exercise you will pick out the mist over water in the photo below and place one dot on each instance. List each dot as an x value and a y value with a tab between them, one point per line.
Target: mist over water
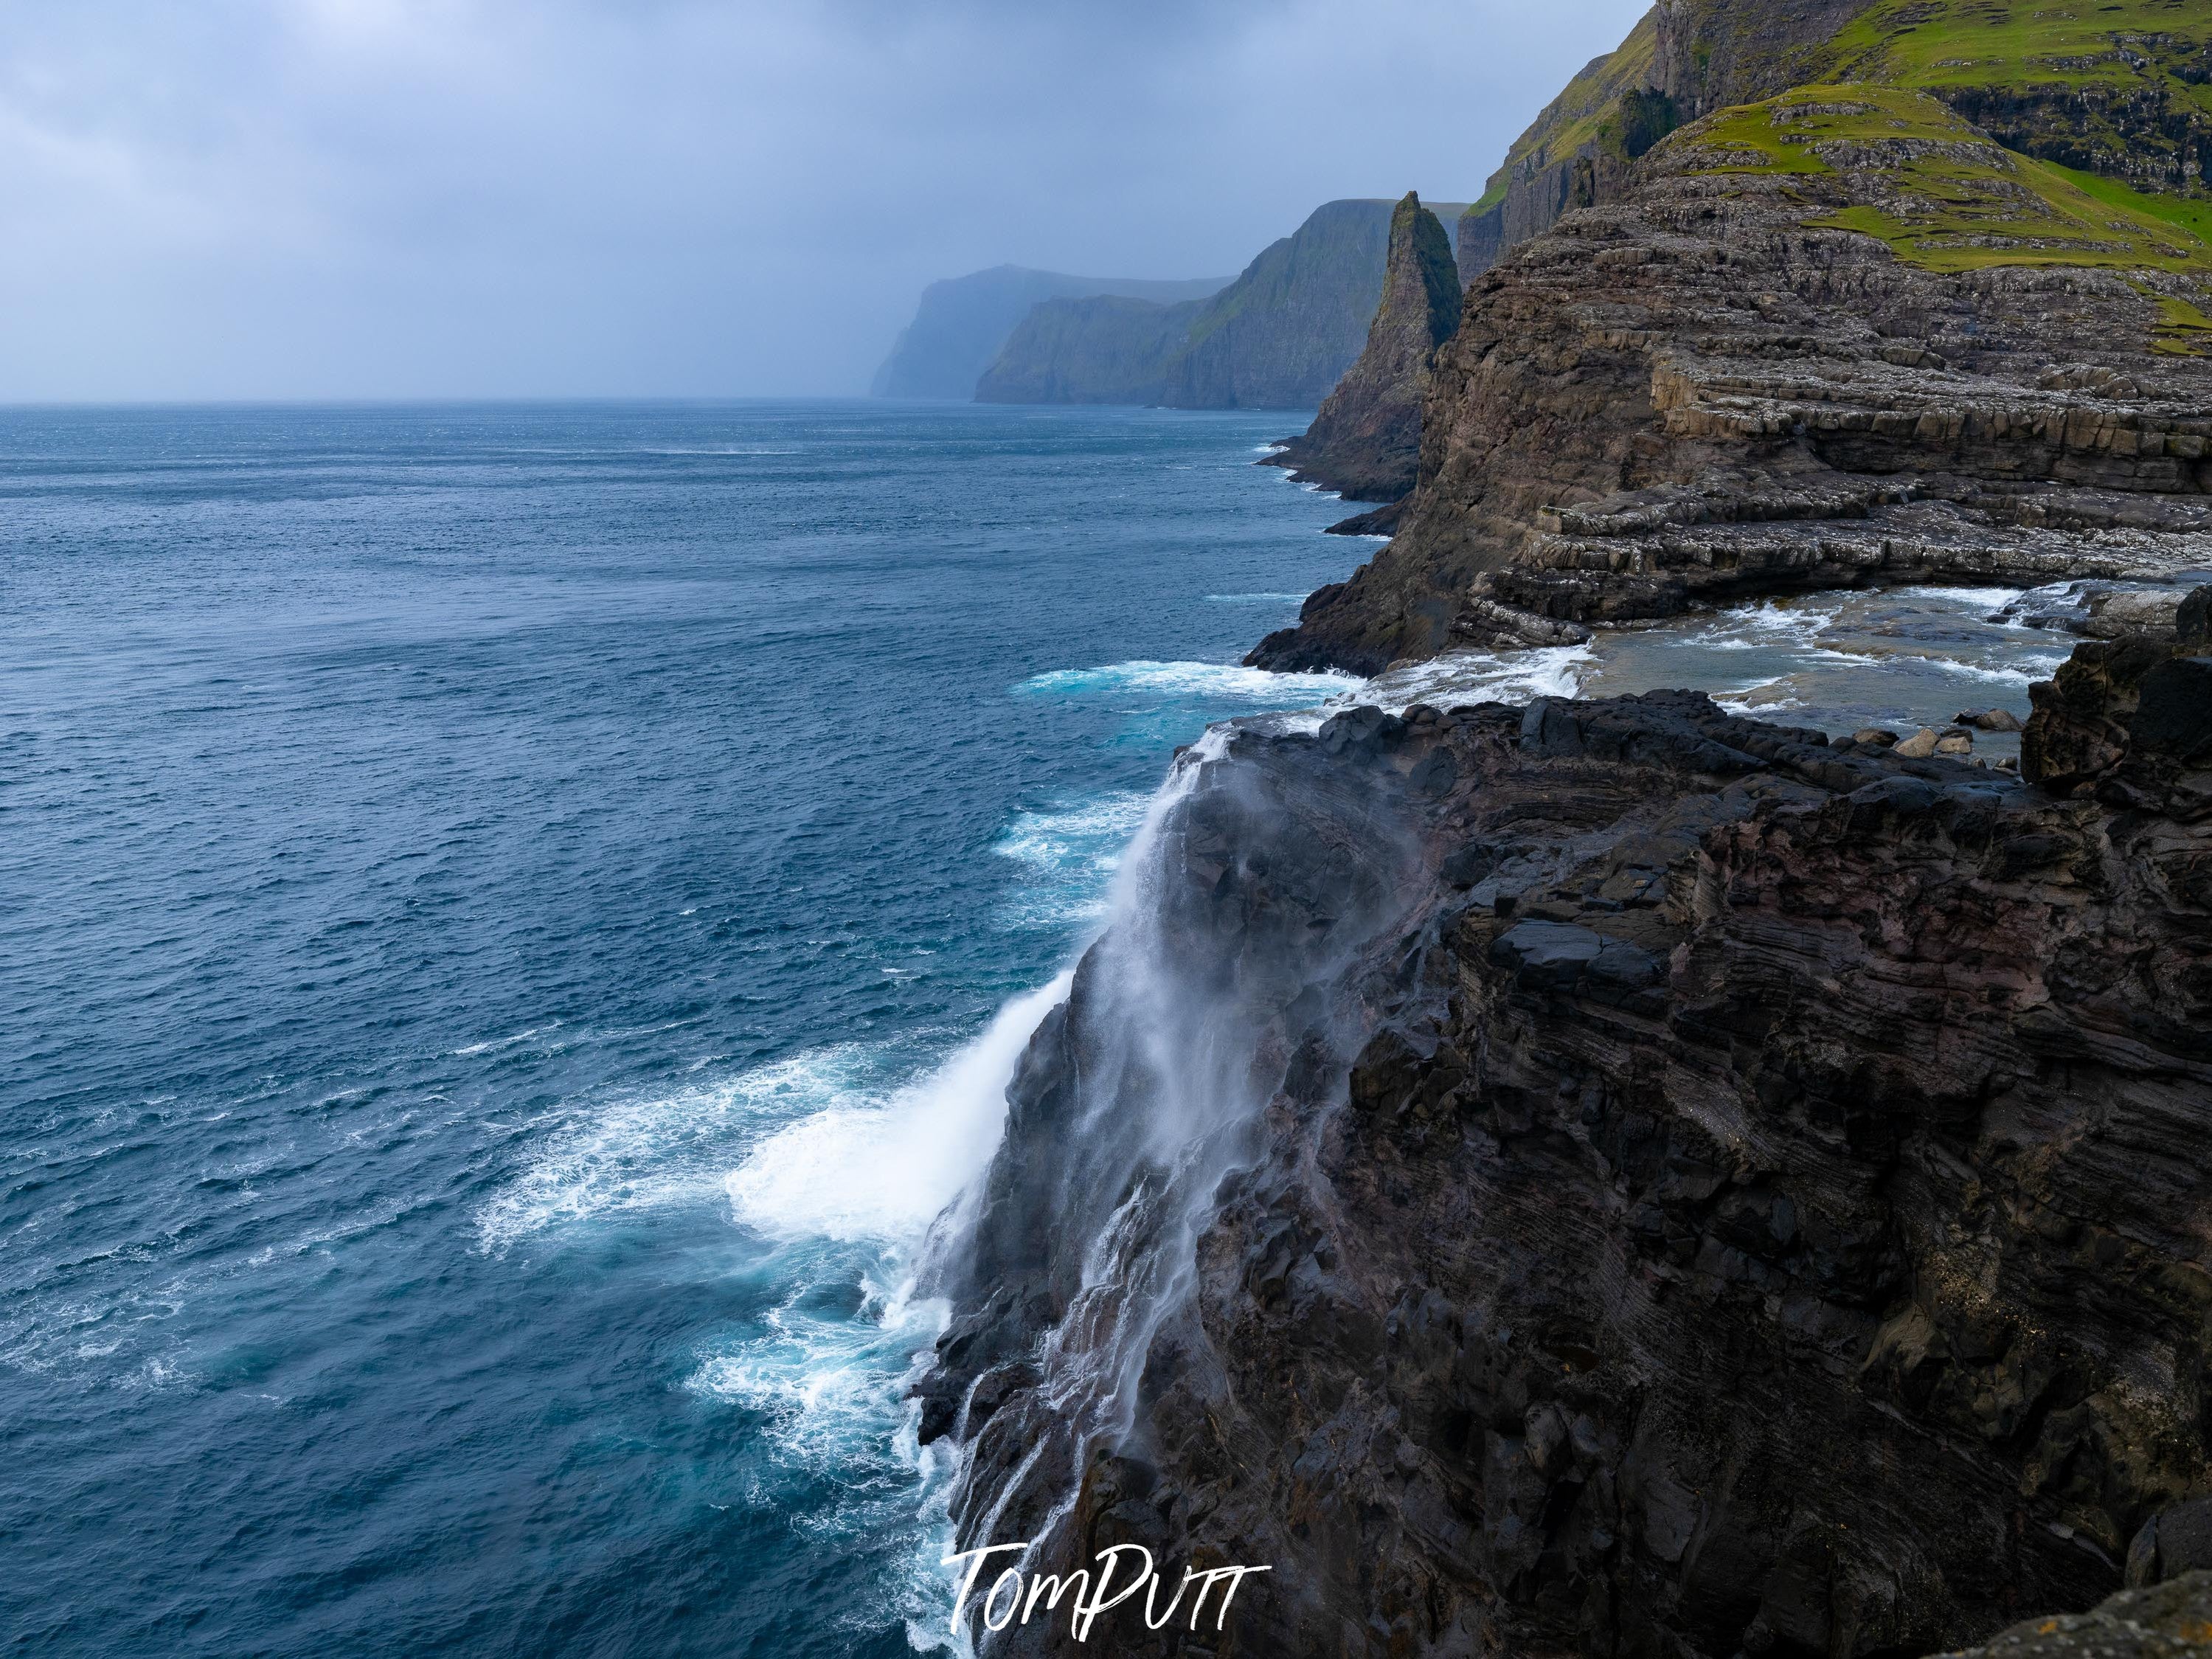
522	920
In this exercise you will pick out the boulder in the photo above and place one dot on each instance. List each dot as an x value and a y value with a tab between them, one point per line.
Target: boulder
2171	1542
1920	745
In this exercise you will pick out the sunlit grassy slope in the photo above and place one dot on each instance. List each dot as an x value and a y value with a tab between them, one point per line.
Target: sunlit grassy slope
1951	199
1579	113
2118	44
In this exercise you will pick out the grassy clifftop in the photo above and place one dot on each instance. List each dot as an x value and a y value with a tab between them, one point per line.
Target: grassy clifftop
1586	112
2120	88
1940	192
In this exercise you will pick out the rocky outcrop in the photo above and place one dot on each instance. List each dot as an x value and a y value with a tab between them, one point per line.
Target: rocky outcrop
1710	54
1365	443
2172	1621
1279	337
1683	59
2129	721
1284	333
2115	88
1837	338
963	323
1673	1186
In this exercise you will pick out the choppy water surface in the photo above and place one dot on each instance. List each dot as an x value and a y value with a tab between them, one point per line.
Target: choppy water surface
518	917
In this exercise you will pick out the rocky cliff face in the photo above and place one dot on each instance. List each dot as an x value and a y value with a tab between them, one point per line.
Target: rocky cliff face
2119	88
1614	1178
1576	152
1284	333
1837	337
1099	350
1365	443
2128	720
1712	53
2116	90
1280	337
963	322
2169	1621
1832	302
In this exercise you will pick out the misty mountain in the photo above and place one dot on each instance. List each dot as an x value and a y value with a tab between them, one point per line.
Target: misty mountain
963	322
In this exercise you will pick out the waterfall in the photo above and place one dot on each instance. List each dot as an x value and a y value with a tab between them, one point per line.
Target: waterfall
1230	986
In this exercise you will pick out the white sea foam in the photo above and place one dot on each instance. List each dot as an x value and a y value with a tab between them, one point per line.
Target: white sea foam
829	1383
1748	697
647	1152
848	1153
2021	671
1211	680
1760	628
1988	600
489	1045
2031	669
1468	677
1257	598
1070	853
1088	835
882	1168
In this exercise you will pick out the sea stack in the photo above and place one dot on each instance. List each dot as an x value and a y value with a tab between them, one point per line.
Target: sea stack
1365	443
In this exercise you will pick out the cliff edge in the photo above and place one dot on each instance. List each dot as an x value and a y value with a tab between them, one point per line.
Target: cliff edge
1835	336
963	322
1652	1184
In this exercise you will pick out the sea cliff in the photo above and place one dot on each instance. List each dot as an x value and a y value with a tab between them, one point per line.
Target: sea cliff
1836	336
963	322
1365	442
1614	1177
1280	337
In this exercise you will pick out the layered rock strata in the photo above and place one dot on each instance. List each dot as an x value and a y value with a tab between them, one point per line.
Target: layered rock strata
1839	338
1695	1188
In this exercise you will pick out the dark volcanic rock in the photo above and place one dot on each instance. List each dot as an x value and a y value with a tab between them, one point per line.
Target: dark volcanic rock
2131	719
2173	1621
1687	1187
1366	441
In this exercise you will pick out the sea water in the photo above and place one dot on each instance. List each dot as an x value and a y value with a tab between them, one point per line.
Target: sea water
517	917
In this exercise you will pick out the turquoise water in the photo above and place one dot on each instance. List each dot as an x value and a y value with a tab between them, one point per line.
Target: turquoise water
493	893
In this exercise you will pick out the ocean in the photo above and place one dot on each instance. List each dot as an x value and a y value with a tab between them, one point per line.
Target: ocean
518	917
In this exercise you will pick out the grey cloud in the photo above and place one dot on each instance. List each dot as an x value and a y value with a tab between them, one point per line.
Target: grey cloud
397	197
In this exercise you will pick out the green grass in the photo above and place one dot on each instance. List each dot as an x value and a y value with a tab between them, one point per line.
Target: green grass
2186	213
2183	330
1943	205
1577	116
2022	69
2008	44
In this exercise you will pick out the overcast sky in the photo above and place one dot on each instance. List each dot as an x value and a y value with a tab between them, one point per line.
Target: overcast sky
299	198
